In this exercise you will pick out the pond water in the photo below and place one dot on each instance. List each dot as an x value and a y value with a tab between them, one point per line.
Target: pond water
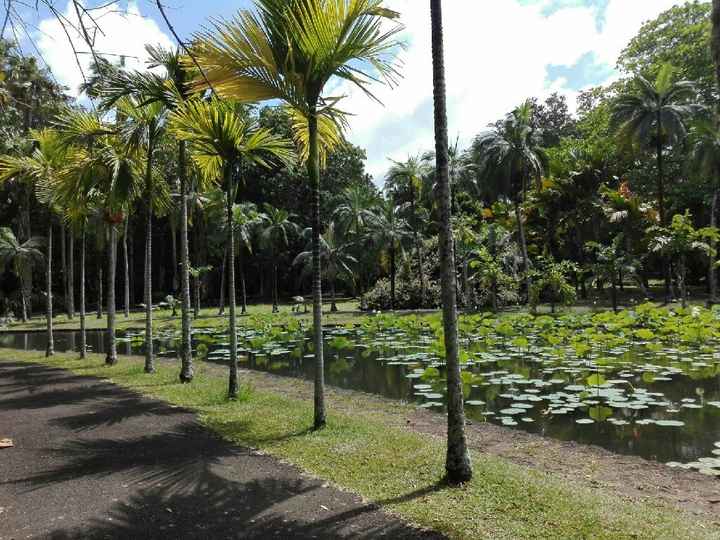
621	387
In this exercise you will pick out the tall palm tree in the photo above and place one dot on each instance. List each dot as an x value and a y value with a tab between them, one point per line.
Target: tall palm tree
654	116
389	231
246	220
276	229
509	158
171	87
224	140
457	464
290	51
354	215
406	179
20	256
335	256
143	128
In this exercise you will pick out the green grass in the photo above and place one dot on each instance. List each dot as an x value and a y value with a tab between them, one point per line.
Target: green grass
400	469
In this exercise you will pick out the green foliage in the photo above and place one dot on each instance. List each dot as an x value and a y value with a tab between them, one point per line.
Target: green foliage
553	279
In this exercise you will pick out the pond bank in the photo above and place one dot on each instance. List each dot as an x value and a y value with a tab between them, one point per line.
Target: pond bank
389	454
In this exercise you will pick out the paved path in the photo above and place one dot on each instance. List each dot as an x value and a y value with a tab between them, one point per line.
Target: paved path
93	461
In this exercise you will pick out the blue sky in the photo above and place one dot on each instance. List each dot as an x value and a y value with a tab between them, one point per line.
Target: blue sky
498	52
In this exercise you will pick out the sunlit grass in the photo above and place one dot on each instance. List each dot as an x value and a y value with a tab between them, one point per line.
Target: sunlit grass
402	470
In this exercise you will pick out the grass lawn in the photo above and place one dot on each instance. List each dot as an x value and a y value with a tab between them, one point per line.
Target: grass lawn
399	469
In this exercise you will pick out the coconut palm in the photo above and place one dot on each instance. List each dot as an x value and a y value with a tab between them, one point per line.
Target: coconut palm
20	256
224	140
246	220
143	127
654	116
507	159
389	230
335	255
275	231
457	463
171	87
405	180
290	51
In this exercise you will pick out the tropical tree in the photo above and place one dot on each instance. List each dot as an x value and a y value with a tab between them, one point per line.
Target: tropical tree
335	254
405	179
611	263
679	240
553	279
654	116
290	51
246	220
171	86
389	231
457	463
508	158
224	140
276	228
20	256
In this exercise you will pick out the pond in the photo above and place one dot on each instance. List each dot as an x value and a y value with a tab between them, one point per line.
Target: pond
645	382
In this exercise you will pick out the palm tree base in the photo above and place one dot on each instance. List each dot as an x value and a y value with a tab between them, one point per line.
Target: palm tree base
186	378
110	361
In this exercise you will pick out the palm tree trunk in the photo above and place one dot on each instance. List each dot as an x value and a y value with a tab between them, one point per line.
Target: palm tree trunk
100	284
333	305
48	288
126	264
457	464
111	358
232	326
712	271
71	275
63	266
314	176
149	357
613	294
523	249
186	373
418	247
83	334
393	271
661	204
25	233
275	286
243	291
173	243
223	272
24	296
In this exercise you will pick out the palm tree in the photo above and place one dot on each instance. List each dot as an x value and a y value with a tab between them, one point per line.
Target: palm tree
246	220
143	127
457	464
223	141
406	179
276	228
354	215
290	51
715	42
705	159
335	256
511	156
172	89
20	256
390	230
654	116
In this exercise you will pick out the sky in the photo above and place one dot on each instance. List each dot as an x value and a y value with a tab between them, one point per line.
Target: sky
498	53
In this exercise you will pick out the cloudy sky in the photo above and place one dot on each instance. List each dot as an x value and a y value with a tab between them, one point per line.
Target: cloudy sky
498	52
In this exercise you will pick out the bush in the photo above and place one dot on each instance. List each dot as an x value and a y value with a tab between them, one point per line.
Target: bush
407	295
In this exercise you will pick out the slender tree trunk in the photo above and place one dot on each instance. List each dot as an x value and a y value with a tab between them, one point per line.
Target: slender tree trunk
111	358
275	286
50	351
333	305
682	278
63	264
223	272
712	271
243	291
83	333
149	353
187	372
418	247
71	275
26	234
523	249
126	267
173	243
393	272
661	205
100	285
457	465
24	296
232	327
313	165
613	294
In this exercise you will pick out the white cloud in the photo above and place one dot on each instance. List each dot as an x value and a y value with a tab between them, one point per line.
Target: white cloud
121	33
496	55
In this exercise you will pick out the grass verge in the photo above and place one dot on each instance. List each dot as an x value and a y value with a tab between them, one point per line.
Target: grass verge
398	469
